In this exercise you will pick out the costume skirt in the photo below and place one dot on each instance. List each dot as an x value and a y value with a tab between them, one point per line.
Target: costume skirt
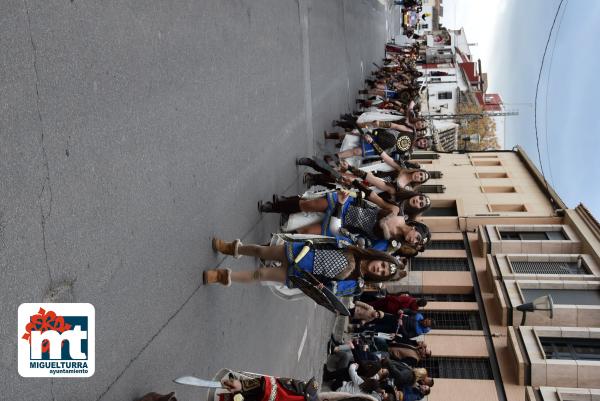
367	149
332	199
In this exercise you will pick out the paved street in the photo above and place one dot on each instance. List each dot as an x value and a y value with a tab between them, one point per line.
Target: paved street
131	132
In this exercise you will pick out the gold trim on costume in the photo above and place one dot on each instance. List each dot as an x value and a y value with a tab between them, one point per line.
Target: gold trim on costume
273	388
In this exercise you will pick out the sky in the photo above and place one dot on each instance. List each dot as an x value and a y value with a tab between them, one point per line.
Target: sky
511	36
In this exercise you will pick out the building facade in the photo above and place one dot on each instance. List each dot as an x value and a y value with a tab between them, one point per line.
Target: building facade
501	238
455	83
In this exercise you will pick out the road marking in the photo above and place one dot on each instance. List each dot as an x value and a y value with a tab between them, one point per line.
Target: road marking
302	342
303	7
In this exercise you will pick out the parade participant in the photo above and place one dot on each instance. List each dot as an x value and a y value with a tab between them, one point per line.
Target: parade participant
388	323
270	388
398	115
403	124
423	143
403	350
406	325
391	181
385	139
346	214
423	377
408	354
412	203
358	385
363	313
335	370
404	375
342	269
395	303
415	393
414	325
251	387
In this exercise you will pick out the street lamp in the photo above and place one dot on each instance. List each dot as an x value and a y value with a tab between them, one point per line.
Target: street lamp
543	303
470	138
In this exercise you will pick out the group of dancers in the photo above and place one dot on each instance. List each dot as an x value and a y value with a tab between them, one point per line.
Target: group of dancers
363	206
368	213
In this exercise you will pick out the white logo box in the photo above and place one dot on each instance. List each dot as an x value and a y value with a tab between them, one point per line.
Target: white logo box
77	363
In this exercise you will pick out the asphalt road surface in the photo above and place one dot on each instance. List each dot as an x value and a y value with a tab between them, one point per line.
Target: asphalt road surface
131	132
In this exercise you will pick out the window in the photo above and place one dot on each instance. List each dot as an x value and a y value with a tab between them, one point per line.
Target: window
444	95
571	348
455	320
554	267
447	244
435	174
441	211
564	297
486	162
507	208
447	297
431	189
491	175
435	79
533	235
440	264
441	207
423	156
498	189
458	368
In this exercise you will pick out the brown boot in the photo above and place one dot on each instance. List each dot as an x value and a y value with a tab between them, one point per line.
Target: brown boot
214	276
227	248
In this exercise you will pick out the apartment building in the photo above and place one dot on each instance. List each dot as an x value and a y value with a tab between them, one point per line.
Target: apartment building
502	238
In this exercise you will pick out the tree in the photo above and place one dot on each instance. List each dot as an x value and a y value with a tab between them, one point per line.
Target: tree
485	126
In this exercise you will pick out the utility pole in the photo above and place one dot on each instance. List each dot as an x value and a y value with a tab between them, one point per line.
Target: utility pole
469	116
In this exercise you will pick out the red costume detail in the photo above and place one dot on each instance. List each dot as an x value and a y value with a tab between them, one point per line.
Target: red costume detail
281	393
394	303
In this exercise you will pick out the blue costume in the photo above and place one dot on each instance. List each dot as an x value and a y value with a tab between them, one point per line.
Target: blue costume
390	93
325	264
412	394
367	148
412	326
359	222
362	220
419	329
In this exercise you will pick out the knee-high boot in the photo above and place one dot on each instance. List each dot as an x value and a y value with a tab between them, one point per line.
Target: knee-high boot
287	205
319	179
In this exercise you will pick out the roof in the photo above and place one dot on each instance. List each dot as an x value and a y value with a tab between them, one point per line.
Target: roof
539	178
489	101
589	218
461	43
469	69
465	58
